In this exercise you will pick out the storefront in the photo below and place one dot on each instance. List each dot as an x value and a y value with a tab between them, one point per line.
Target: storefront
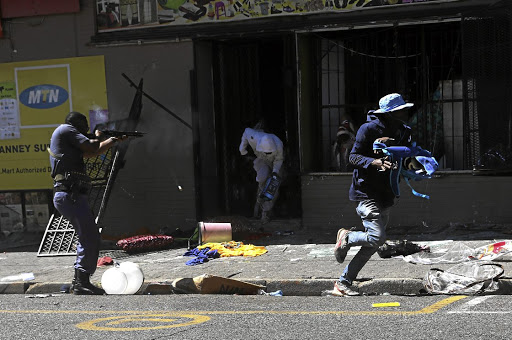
304	68
452	59
456	68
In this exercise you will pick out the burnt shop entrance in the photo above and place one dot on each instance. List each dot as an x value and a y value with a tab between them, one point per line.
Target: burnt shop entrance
240	83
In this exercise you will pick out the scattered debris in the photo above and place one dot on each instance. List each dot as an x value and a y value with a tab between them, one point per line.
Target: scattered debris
493	251
276	293
105	261
475	277
40	295
201	256
459	252
402	247
19	277
213	250
124	278
144	243
495	161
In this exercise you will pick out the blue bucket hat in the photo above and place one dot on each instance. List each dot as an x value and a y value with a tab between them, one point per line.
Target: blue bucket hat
392	102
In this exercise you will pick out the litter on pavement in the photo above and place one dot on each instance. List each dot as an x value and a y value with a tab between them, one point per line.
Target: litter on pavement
41	296
18	277
475	277
105	261
144	243
124	278
401	247
459	252
276	293
211	284
211	250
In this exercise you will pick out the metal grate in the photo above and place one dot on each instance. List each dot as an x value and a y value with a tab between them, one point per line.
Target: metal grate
59	239
458	74
487	69
422	62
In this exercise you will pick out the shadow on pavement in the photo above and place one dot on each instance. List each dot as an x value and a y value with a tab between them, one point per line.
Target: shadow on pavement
278	232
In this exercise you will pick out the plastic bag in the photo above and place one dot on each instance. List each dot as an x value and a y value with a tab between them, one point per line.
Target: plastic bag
493	250
19	277
456	253
459	252
474	277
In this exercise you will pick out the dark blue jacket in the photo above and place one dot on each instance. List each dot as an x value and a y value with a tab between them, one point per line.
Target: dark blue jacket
367	181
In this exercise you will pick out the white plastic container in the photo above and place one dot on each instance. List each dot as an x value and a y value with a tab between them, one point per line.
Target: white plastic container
134	277
124	278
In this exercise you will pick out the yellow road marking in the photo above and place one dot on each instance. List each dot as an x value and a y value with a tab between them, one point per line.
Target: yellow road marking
386	304
440	304
172	319
427	310
156	318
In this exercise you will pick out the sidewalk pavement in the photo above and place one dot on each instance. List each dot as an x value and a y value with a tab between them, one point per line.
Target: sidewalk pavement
298	262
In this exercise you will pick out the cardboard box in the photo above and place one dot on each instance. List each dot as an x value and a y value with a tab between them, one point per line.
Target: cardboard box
210	284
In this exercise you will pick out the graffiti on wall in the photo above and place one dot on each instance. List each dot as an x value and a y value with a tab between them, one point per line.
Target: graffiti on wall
132	14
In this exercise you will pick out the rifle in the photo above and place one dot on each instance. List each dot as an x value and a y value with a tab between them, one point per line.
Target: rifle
115	133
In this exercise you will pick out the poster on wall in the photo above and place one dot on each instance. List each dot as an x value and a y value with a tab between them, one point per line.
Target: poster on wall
132	14
9	123
35	98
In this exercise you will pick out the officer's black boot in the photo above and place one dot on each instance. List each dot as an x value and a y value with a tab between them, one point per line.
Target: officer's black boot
83	286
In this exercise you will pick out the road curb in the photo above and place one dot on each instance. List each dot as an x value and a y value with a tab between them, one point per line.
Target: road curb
392	287
299	287
13	288
306	287
46	287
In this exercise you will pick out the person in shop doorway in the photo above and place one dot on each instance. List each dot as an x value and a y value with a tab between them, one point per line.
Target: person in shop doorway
371	186
69	145
268	149
342	145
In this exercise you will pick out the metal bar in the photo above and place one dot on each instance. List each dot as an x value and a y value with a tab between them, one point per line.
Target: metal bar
45	234
71	242
157	103
108	189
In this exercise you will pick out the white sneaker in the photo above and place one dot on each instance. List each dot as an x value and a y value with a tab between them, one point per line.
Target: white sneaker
342	247
341	289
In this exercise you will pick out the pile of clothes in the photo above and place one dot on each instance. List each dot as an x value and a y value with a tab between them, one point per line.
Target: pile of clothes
211	250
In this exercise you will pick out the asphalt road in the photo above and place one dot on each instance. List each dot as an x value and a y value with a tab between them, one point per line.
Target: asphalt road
253	317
